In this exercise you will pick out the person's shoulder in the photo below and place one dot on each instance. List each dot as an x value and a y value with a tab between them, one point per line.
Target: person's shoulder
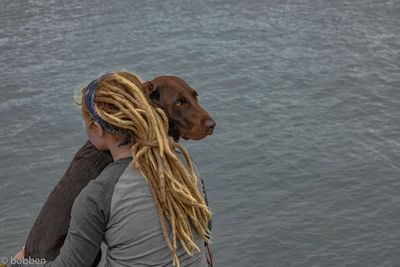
107	178
97	194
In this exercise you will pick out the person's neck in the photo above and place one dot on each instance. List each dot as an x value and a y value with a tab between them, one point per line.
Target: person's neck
120	152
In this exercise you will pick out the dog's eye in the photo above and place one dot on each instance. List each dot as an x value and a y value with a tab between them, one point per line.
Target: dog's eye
180	102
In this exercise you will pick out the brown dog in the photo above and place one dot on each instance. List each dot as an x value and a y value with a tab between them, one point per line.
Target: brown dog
179	102
186	119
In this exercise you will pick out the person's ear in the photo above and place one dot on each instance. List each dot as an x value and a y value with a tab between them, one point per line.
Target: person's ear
99	129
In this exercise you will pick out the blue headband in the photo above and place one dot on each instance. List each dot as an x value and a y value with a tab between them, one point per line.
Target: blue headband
89	102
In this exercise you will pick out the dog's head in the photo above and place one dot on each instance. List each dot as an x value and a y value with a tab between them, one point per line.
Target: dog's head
179	102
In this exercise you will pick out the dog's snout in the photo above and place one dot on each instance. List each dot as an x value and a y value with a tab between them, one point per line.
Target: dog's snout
210	124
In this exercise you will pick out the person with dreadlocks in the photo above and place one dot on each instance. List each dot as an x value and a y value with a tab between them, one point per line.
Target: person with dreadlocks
146	205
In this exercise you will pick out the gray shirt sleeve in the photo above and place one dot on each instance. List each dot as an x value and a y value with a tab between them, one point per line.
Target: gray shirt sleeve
84	236
89	216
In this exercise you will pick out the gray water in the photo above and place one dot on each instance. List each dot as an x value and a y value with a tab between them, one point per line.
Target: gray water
303	167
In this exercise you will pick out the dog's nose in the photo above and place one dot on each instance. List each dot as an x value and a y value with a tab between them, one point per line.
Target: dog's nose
210	124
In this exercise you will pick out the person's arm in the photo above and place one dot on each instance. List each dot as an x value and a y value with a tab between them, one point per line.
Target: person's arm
85	234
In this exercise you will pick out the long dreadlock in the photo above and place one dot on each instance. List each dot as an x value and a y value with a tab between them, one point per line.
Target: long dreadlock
120	102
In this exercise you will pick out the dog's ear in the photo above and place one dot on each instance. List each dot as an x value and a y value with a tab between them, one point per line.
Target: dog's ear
152	92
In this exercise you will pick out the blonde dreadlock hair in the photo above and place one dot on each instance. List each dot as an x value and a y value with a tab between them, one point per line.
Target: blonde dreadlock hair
120	102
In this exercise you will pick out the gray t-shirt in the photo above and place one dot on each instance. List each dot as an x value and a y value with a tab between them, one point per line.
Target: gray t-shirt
118	208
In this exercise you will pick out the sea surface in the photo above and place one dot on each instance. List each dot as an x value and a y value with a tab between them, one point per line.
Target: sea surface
304	166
